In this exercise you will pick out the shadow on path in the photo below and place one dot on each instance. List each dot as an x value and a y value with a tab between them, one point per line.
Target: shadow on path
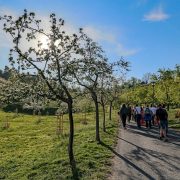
128	162
167	161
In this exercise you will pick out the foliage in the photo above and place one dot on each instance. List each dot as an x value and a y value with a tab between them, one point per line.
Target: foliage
68	62
166	89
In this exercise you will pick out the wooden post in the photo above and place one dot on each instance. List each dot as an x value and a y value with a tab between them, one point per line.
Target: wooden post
39	115
34	112
59	124
62	123
6	123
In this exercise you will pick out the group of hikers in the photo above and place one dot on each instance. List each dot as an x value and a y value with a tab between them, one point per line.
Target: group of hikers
148	115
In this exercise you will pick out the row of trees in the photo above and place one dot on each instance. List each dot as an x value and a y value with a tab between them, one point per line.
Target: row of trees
160	87
70	65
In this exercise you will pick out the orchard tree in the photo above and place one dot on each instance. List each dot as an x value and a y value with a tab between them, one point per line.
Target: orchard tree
113	92
166	79
104	83
51	62
13	90
91	66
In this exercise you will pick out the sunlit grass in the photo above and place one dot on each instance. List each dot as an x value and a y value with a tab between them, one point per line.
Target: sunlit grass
173	122
31	149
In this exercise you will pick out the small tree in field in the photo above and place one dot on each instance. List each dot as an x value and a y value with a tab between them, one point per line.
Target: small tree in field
103	97
50	63
91	66
14	91
113	92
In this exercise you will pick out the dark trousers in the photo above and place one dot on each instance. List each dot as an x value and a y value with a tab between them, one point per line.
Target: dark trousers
138	120
148	124
153	117
123	118
129	117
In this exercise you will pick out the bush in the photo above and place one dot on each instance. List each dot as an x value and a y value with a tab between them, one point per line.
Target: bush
19	107
12	108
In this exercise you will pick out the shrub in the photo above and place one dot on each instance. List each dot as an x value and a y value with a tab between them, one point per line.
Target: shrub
19	108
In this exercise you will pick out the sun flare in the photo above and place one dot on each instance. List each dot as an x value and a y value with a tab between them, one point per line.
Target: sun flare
44	41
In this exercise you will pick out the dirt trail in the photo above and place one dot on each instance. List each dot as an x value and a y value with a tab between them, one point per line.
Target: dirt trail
141	155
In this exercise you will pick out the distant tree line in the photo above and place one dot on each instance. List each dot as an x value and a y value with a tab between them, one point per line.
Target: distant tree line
161	87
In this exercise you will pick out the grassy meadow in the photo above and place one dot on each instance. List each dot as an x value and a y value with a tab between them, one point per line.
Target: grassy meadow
173	122
31	149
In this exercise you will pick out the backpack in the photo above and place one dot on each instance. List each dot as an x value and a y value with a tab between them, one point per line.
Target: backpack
147	111
123	111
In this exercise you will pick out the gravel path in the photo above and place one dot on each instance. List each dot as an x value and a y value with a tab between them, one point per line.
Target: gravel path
141	155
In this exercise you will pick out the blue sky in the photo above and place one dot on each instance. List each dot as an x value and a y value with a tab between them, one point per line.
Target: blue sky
145	32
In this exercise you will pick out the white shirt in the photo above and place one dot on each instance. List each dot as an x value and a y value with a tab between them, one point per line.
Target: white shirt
137	110
153	109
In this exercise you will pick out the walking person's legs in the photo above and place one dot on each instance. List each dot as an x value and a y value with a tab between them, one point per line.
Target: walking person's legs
153	117
124	121
150	126
166	127
138	120
163	130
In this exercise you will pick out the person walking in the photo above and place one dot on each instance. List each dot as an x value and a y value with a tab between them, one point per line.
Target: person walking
133	114
142	116
148	116
153	109
164	107
123	115
138	111
162	116
129	113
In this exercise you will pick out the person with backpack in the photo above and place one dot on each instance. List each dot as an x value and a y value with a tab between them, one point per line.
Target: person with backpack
148	116
164	107
162	116
123	115
129	113
153	109
138	111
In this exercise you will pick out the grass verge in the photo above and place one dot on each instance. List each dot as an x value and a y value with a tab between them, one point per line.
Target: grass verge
31	149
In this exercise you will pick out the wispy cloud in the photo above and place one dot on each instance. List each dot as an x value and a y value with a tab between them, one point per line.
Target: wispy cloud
123	51
99	34
102	35
156	14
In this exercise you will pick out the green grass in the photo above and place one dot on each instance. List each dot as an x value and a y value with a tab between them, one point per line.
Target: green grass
31	149
173	122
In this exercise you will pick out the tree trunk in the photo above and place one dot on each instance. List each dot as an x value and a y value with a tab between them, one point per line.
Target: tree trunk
71	134
104	118
110	111
94	96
